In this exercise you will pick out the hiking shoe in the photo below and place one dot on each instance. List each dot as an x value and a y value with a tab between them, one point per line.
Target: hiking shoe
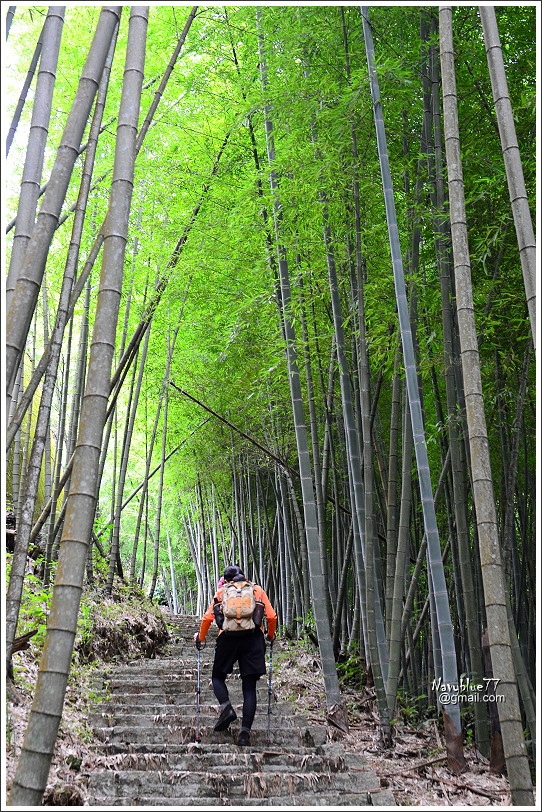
243	739
225	719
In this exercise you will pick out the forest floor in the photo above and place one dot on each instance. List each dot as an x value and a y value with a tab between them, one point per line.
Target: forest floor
414	769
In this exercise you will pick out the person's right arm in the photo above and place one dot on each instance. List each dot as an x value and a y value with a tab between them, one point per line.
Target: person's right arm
205	623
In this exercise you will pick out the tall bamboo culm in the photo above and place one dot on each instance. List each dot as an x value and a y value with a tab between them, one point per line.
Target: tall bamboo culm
488	534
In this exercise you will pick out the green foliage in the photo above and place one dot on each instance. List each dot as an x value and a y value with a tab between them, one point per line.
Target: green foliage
35	603
109	629
352	671
106	627
413	709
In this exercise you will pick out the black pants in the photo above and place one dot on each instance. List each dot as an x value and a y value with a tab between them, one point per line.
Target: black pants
249	696
248	649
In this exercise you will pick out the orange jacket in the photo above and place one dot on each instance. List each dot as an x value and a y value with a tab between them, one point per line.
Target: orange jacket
259	595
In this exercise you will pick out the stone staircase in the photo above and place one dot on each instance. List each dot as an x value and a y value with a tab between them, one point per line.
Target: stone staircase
157	750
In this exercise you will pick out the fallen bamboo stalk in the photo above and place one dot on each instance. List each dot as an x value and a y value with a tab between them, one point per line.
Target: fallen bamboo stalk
419	766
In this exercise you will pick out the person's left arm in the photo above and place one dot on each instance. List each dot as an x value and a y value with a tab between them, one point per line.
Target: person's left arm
270	613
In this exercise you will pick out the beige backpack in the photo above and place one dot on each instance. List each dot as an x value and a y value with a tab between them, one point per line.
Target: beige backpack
238	605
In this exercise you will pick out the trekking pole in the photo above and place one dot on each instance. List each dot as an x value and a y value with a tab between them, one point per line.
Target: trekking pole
269	691
198	697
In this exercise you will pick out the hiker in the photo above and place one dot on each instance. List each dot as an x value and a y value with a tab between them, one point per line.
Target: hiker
240	639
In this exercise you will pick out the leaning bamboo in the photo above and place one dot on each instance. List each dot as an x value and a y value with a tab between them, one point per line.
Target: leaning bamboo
512	160
437	580
95	250
30	276
329	669
38	746
24	90
35	150
41	431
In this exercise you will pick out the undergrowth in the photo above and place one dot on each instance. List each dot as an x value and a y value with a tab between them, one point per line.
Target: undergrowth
124	624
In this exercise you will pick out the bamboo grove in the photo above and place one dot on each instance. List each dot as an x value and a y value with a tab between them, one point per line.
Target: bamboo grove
270	299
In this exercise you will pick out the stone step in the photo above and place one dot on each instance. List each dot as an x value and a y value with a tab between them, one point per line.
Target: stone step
186	638
166	662
149	704
139	686
169	665
327	749
184	697
173	670
156	687
186	641
174	673
187	651
185	660
166	682
225	781
168	720
157	748
181	658
186	631
307	800
308	736
166	679
204	757
110	713
176	656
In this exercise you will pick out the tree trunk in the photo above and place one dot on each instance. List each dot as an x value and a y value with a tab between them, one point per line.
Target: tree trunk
396	636
41	430
9	18
512	159
437	581
319	604
35	151
441	229
486	519
21	310
39	741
